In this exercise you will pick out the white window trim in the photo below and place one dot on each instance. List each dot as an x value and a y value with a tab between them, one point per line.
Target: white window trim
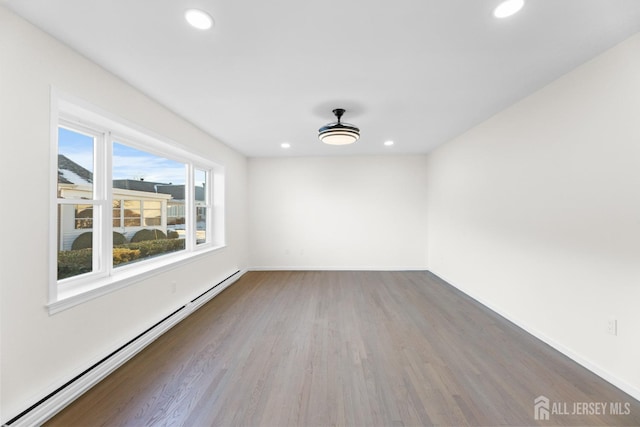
70	109
208	202
82	292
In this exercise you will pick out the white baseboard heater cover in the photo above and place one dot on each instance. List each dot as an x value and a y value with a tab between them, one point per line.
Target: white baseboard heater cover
57	400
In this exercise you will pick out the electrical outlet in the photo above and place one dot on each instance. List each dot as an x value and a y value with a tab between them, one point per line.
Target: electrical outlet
612	326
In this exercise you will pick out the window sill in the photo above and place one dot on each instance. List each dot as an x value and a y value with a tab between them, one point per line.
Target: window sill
67	298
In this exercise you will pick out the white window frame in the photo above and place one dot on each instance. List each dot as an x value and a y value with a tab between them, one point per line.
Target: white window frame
78	115
207	203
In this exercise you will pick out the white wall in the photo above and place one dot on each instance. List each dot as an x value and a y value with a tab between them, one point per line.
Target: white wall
39	351
536	212
337	213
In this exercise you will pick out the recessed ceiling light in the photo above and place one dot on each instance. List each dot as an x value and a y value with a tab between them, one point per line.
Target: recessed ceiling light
508	8
198	19
285	145
388	143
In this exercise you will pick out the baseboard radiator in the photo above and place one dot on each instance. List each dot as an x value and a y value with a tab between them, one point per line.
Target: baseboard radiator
57	400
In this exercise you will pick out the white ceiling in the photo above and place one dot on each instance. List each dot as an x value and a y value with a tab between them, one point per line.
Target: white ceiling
419	72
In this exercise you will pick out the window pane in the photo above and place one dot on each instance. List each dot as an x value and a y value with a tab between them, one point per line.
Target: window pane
152	213
153	191
75	244
176	218
201	224
200	184
117	211
200	181
73	222
152	217
131	213
75	164
133	207
83	216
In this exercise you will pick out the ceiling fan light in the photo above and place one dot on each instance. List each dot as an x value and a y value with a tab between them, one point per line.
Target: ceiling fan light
339	138
339	133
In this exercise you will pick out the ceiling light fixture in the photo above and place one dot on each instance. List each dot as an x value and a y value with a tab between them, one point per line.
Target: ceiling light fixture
508	8
338	133
198	19
285	145
388	143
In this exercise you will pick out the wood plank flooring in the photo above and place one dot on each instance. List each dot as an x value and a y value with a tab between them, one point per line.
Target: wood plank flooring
343	348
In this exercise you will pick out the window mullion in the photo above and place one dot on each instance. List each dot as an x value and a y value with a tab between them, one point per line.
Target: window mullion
107	220
98	206
108	223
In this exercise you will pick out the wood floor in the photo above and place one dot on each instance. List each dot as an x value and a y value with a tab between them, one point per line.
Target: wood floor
344	348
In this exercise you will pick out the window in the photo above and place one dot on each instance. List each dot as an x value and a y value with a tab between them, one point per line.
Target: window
202	206
124	198
75	199
144	184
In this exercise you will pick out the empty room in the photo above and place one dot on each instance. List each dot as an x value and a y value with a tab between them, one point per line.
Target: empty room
338	213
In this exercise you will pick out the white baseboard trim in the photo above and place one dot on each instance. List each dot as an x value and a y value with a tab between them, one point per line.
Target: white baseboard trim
334	268
59	399
571	354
